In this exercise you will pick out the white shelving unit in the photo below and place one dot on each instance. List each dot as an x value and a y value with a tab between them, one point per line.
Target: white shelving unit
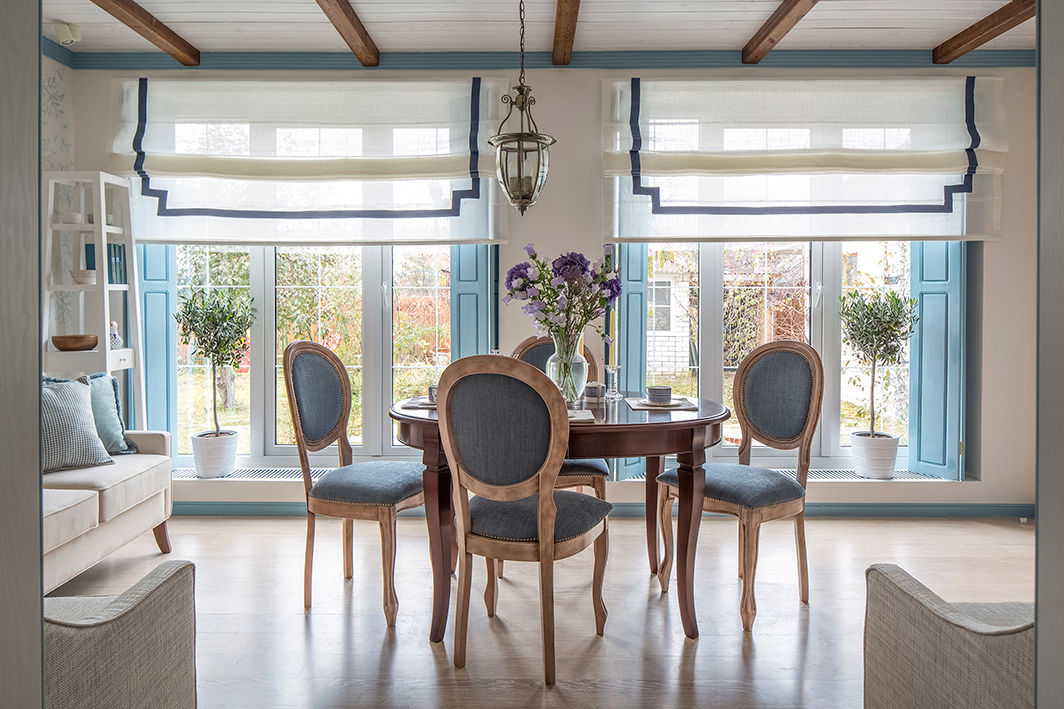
96	195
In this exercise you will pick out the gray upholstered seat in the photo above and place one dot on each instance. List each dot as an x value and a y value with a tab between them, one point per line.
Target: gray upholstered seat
537	355
516	520
584	466
374	482
744	485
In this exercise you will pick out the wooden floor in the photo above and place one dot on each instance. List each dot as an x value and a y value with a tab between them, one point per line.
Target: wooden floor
257	648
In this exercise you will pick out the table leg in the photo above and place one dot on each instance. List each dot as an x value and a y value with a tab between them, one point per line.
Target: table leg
439	515
692	478
655	467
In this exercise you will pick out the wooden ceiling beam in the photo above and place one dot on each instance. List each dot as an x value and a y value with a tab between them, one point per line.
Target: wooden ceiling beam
564	31
986	29
780	23
346	22
150	28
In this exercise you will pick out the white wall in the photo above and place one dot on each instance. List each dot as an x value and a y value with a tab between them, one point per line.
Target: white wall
569	216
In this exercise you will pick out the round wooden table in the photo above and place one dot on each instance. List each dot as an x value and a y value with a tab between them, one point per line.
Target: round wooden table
617	432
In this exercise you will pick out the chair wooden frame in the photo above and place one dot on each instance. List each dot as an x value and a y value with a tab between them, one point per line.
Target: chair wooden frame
541	483
750	519
384	515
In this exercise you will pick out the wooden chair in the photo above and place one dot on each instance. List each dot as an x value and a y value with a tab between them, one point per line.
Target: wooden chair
777	394
319	397
537	350
504	429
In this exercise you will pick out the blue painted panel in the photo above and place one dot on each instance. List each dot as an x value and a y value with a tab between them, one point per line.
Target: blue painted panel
632	335
158	293
474	292
936	361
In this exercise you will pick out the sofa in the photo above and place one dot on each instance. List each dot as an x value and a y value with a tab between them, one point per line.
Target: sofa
90	512
133	650
920	651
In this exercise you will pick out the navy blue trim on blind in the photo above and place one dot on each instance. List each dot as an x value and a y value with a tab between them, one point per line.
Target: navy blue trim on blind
453	211
949	191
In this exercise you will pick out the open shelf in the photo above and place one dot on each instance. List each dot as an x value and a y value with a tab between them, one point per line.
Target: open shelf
76	288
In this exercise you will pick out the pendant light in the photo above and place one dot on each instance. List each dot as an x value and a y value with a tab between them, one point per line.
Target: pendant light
522	156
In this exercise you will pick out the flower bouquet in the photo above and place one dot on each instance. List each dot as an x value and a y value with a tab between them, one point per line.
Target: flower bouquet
564	297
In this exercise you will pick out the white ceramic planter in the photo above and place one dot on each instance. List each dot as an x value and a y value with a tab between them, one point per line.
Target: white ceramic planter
215	455
874	457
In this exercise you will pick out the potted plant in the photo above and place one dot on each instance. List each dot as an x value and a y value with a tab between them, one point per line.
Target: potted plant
876	326
216	324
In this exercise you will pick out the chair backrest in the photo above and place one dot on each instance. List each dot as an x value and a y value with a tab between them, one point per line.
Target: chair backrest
537	350
777	394
319	399
503	425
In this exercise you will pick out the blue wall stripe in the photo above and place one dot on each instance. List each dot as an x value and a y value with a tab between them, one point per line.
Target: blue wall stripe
636	509
480	61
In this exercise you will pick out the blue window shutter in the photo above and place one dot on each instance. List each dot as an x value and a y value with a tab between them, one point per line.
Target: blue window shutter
936	359
474	298
158	294
632	335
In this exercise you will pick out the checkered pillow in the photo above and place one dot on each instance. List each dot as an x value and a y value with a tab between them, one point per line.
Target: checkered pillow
68	433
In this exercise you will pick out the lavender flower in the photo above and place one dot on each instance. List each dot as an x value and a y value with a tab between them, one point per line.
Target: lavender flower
571	266
516	273
530	250
611	288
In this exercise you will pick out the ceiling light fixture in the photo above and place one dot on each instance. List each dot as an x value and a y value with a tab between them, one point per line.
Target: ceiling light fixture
67	34
521	157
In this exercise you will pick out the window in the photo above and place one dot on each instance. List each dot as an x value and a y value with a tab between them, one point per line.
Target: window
660	305
672	320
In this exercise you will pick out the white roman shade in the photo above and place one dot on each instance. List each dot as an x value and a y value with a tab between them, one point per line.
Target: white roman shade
803	159
309	162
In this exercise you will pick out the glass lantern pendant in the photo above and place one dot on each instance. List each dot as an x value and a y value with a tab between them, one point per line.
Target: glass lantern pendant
522	157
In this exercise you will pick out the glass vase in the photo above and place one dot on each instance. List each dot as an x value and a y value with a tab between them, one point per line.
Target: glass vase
567	367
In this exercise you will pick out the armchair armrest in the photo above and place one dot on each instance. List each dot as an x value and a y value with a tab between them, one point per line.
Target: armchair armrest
154	442
920	650
133	650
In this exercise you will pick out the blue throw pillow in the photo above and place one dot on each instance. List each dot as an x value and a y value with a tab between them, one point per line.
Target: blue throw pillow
106	413
68	435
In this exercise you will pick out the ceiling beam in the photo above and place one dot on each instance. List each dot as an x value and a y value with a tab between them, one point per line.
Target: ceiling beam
564	31
780	23
986	29
150	28
346	22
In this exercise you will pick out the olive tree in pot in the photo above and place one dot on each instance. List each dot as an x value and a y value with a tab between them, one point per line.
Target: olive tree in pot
876	326
216	324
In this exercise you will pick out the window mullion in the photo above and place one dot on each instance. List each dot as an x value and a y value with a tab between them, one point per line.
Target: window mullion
263	339
711	321
374	300
831	349
818	326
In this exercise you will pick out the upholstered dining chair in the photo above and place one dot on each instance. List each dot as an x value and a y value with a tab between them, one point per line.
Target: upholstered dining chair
777	393
504	429
319	397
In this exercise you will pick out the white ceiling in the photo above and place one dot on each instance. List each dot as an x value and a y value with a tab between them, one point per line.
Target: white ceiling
491	25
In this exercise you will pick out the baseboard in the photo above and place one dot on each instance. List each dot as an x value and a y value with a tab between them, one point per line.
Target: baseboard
636	509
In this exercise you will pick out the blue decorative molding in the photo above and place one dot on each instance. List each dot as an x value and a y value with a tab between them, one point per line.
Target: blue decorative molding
636	509
481	61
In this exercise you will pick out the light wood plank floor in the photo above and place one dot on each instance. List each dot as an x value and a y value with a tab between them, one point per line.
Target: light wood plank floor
257	648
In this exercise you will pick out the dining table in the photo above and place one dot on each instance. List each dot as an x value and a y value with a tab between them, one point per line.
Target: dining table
616	431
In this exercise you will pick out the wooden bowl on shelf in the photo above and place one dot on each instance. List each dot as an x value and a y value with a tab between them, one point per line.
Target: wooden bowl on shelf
74	343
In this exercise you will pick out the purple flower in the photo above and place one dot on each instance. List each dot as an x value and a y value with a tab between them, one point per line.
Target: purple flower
563	302
530	250
532	291
611	288
533	307
557	282
571	266
516	273
507	298
608	250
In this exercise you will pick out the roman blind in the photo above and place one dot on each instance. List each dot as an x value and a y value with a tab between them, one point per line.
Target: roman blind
309	162
728	160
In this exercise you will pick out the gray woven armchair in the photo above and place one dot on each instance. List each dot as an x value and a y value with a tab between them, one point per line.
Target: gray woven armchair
920	651
129	651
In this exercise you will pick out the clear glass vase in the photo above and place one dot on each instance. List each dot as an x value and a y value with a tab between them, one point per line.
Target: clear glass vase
567	367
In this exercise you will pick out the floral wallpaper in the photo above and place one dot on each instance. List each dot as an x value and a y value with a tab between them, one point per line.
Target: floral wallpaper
57	153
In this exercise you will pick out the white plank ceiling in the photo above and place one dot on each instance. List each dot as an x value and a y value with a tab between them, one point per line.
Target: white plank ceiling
491	25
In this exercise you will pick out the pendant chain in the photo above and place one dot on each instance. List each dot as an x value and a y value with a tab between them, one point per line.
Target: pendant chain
521	81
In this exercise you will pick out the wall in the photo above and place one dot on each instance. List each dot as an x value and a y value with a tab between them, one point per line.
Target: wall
20	459
569	216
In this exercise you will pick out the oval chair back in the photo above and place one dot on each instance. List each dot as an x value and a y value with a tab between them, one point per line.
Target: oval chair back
537	350
777	395
319	396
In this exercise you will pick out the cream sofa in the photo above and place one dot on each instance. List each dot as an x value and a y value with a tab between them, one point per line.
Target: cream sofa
90	512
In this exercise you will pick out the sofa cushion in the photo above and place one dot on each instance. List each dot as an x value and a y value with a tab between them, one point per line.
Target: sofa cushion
68	432
67	514
130	480
106	412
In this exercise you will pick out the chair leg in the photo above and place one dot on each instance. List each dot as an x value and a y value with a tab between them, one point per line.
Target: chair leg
391	601
803	563
665	524
742	547
308	561
599	486
546	599
349	566
491	591
498	568
602	550
461	613
162	537
748	606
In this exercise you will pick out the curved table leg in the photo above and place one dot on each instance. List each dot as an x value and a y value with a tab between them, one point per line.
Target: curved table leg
655	466
439	515
692	488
